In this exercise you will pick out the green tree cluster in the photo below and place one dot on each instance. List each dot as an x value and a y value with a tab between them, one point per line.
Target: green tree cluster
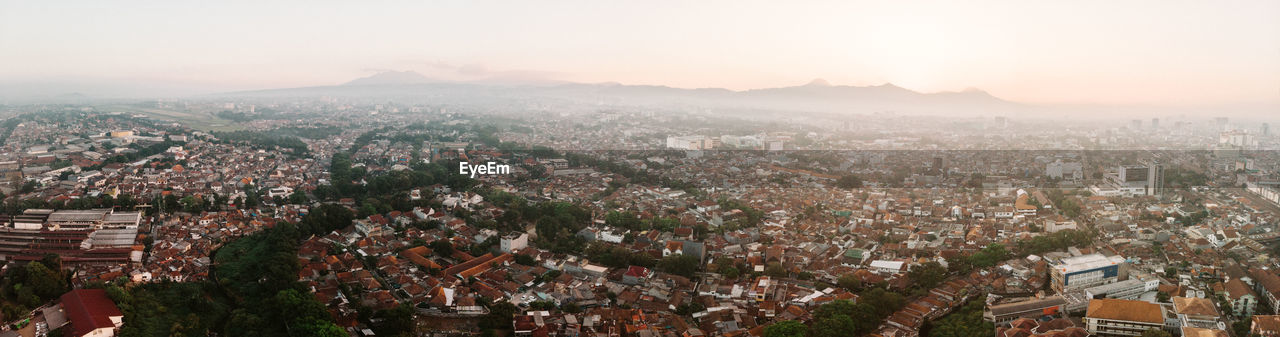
845	318
964	322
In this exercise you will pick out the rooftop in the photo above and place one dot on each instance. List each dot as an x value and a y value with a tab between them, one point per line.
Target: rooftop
1194	306
1087	262
1198	332
1125	310
90	309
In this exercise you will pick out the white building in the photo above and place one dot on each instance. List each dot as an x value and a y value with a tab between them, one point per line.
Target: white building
690	143
887	267
1085	271
1116	317
1066	171
1266	190
513	242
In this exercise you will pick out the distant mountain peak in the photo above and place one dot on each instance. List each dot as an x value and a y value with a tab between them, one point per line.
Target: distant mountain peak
890	85
391	78
818	82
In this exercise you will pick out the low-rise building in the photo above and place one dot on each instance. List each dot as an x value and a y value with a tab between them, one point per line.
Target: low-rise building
1116	317
1085	271
91	313
1265	325
1032	308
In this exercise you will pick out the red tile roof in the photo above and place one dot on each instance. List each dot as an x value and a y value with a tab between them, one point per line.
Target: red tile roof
88	310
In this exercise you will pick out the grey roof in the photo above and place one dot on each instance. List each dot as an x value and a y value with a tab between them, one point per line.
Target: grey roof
122	237
1027	306
130	217
77	215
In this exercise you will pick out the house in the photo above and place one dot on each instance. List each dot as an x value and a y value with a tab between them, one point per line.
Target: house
1265	325
1199	312
1268	286
636	275
673	248
91	313
1243	300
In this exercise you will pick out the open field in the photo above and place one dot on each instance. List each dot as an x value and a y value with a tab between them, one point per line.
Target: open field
197	120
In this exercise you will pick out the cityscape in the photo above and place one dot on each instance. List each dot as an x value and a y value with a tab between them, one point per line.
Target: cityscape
163	195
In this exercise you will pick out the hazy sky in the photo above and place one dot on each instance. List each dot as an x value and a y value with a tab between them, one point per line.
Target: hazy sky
1115	52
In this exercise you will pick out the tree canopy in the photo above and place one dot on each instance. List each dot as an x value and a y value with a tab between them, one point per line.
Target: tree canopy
786	328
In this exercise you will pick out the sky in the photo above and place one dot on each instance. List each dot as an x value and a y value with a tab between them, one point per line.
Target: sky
1158	52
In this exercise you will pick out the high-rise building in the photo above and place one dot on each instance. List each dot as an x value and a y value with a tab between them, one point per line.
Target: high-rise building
1133	173
1136	180
1155	123
1155	178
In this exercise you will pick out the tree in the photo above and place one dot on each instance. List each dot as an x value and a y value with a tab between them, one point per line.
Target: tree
298	198
834	326
788	328
989	256
775	269
964	322
308	316
835	308
396	321
500	316
689	308
29	186
1242	327
849	282
43	282
849	181
731	273
368	209
251	198
928	275
191	204
171	203
679	264
442	247
319	328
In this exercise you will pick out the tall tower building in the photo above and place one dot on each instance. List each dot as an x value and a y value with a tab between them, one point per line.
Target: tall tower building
1155	178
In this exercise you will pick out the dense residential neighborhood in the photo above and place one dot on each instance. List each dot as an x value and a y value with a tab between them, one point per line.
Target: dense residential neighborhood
690	235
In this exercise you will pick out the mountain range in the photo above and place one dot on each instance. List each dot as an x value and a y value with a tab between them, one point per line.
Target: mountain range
817	96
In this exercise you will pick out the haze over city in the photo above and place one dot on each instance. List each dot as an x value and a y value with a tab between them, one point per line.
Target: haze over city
1093	52
985	168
